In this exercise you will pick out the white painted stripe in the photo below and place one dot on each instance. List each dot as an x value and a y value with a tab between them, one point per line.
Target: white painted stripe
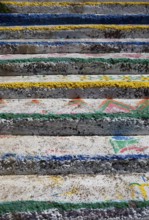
73	78
73	145
77	40
76	55
68	106
74	188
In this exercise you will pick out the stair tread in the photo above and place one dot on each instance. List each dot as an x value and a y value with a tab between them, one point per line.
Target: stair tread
72	188
87	146
74	78
86	40
71	106
105	56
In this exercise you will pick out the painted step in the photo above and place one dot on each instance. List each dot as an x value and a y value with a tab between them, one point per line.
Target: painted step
75	7
81	1
74	117
30	46
75	32
101	196
42	155
49	64
75	86
10	19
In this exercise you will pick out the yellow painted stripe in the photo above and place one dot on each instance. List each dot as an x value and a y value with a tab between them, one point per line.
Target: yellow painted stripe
66	4
75	27
73	85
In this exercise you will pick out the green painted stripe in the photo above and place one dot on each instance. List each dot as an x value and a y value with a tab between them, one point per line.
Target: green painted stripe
97	115
82	60
30	206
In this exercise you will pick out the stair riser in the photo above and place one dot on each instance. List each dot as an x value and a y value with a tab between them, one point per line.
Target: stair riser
66	19
72	47
50	33
64	67
112	214
105	126
21	165
108	92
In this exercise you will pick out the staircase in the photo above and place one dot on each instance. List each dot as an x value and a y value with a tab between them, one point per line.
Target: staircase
74	110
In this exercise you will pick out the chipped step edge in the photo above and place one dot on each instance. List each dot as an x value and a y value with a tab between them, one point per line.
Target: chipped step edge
75	32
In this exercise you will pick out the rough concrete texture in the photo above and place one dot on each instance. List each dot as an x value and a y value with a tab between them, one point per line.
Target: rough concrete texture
68	46
85	214
81	8
103	92
83	126
75	32
74	64
11	164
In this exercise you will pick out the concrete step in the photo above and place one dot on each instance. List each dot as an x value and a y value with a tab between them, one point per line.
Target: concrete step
50	64
134	1
13	19
35	46
27	155
75	195
74	117
75	7
74	32
74	86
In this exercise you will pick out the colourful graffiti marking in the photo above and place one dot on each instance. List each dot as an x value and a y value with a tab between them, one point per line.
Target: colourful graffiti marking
137	149
141	188
111	106
143	105
122	144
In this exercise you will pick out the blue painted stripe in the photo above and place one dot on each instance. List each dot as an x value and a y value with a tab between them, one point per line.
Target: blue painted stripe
62	19
60	43
76	157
